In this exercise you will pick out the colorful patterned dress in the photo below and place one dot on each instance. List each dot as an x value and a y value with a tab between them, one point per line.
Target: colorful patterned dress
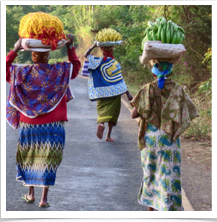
165	114
37	90
161	163
39	153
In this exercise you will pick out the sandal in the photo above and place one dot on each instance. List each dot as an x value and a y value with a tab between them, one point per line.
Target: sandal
24	197
44	206
100	130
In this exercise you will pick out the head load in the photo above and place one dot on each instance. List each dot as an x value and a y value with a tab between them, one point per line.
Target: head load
42	26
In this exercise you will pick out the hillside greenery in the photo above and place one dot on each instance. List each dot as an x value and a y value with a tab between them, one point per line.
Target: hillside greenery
193	71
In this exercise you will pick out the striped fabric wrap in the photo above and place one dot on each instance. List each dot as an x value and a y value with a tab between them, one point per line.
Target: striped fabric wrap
39	153
85	71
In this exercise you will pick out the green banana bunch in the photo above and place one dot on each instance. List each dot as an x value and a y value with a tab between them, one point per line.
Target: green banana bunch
164	31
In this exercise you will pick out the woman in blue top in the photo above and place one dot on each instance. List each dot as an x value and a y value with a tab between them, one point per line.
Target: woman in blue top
106	85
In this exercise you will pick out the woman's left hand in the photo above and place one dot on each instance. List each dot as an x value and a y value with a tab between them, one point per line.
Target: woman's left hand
129	96
70	40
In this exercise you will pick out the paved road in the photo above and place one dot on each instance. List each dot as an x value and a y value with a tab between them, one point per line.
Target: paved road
94	175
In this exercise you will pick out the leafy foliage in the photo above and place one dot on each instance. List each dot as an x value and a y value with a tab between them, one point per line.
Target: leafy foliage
193	71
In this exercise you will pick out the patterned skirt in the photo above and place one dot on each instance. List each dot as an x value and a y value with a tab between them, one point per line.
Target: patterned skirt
161	163
108	109
39	153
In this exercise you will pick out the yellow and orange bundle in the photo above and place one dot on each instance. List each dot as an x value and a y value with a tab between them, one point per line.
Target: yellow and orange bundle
42	26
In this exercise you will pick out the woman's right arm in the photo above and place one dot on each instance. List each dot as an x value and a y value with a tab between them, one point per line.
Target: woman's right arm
72	56
10	58
87	53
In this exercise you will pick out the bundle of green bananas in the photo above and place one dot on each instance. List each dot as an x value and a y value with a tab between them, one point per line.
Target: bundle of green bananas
166	32
108	35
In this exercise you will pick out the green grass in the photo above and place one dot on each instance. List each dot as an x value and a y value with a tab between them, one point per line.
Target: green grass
201	127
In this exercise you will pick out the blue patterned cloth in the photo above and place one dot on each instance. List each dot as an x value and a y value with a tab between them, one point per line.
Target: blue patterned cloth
106	78
39	153
161	74
161	164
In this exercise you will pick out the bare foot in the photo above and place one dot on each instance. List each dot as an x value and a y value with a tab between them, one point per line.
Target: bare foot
150	209
109	140
43	202
100	130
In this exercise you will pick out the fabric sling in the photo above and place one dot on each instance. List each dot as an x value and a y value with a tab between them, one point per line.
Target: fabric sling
105	79
37	89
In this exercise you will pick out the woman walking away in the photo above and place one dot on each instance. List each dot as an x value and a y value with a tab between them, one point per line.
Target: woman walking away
106	85
37	105
165	110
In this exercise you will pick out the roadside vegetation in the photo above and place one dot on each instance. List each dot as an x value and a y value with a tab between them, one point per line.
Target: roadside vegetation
193	71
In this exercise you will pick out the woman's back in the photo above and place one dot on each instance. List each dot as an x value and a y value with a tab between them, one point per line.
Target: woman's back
43	80
166	111
159	97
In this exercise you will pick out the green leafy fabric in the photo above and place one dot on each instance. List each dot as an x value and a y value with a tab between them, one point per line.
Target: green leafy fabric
170	109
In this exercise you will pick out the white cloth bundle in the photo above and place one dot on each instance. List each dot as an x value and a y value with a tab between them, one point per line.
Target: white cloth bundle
159	50
36	45
104	44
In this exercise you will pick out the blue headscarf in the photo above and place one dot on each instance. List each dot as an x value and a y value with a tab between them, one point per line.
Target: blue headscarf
161	75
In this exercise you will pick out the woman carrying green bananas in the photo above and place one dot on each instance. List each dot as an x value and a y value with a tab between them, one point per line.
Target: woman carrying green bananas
106	85
166	111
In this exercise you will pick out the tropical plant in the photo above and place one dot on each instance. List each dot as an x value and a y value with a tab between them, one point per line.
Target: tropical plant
193	71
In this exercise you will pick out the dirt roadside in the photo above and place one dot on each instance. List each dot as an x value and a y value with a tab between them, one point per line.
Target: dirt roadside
198	152
197	173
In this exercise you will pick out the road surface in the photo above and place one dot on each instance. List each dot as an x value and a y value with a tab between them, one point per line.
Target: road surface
94	175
